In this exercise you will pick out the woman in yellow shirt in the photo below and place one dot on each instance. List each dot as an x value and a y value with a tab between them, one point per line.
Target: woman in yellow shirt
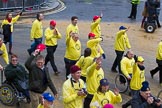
7	26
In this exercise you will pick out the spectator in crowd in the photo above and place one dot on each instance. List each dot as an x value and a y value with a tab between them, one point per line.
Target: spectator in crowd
104	96
73	27
5	3
3	51
94	74
144	13
73	89
7	26
84	62
51	36
39	78
93	44
36	32
159	63
15	73
121	43
144	99
134	9
138	77
73	52
46	101
127	63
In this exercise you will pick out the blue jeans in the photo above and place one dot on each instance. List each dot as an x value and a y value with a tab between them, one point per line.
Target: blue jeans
34	45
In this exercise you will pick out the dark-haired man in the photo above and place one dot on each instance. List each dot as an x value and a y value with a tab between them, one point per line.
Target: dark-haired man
36	33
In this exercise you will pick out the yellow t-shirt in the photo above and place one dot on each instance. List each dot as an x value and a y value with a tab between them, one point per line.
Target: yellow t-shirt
95	28
5	54
159	51
71	28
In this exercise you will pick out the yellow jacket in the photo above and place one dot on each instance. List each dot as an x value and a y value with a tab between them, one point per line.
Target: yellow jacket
5	54
36	30
84	63
71	28
159	51
104	98
138	77
95	28
95	47
70	97
50	38
73	49
121	41
127	66
5	21
40	106
93	78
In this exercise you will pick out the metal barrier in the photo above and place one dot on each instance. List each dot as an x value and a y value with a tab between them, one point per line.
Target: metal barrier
17	4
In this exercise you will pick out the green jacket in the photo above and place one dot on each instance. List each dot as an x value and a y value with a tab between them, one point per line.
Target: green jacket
15	74
135	1
37	81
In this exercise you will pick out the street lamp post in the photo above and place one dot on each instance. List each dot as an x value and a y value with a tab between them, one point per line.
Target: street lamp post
23	6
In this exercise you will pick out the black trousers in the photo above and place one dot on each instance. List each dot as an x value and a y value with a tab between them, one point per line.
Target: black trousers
68	64
133	11
119	55
50	57
158	68
87	101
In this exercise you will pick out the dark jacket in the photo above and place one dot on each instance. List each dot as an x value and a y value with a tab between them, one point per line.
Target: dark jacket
16	74
38	82
139	102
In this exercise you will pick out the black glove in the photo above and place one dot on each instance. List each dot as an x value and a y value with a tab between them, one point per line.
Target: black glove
20	13
104	56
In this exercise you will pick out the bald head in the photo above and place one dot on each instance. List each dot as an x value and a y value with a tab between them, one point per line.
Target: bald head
130	54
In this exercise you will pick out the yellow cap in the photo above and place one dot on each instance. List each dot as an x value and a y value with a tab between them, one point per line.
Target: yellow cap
140	59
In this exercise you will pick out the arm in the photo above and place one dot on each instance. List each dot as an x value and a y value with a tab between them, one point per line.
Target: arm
120	33
116	98
127	42
80	61
15	18
5	54
90	69
47	34
28	63
136	104
67	97
58	34
124	68
160	50
33	29
93	42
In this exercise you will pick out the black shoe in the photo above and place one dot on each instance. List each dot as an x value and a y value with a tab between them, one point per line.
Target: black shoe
124	106
129	16
152	76
10	53
57	73
159	26
114	70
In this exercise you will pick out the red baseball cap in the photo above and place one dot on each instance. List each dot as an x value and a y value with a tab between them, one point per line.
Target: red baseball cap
96	17
41	47
53	22
91	35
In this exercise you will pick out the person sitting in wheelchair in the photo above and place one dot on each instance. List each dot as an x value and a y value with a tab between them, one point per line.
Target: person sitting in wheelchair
16	74
126	64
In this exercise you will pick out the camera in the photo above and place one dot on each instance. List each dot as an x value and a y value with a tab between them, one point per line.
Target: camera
84	90
156	100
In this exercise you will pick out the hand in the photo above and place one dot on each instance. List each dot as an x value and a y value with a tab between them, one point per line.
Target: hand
55	32
36	52
98	60
128	28
20	13
101	38
81	93
1	67
56	95
150	100
116	91
129	77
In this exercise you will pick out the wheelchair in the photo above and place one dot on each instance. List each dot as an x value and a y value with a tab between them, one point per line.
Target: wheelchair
9	95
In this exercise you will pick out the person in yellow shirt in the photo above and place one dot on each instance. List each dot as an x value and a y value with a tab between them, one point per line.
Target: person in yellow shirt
104	95
138	77
36	32
73	89
73	52
3	51
121	43
93	44
95	26
84	62
159	62
94	74
46	100
73	27
51	36
7	26
127	63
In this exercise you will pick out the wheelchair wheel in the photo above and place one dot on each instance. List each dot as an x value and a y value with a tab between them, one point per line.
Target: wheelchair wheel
150	27
121	83
7	95
159	95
